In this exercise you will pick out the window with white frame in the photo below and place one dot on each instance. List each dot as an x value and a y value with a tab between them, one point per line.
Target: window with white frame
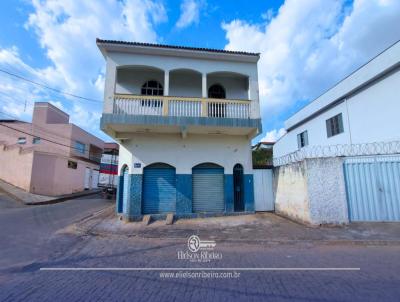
302	139
80	147
334	125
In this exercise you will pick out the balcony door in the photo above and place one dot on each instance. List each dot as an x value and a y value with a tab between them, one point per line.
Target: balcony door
216	109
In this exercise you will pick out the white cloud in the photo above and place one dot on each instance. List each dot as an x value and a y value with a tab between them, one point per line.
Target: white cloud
309	45
190	13
273	135
66	30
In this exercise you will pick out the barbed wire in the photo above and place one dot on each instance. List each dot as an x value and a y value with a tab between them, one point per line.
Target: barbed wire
375	148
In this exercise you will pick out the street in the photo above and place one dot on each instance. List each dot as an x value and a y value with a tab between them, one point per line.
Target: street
38	237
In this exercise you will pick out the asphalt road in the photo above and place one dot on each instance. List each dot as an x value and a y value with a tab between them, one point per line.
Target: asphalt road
377	280
26	231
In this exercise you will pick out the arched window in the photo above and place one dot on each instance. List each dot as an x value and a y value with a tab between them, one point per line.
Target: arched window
216	91
152	88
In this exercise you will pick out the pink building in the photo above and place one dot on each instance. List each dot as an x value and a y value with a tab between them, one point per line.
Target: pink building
49	156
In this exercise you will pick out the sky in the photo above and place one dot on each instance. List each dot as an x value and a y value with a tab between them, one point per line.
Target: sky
306	47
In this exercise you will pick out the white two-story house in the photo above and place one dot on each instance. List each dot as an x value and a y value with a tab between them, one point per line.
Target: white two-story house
184	118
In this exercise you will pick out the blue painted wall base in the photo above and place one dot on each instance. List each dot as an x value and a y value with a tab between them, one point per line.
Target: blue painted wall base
183	193
184	197
229	198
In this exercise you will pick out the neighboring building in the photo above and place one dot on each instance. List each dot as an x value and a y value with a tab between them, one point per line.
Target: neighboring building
262	155
340	158
184	118
109	166
49	156
362	108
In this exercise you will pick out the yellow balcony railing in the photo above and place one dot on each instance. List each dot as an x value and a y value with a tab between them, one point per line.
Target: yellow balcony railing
180	106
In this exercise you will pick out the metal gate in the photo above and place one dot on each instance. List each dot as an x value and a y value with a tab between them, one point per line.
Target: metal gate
373	188
208	188
95	179
263	191
86	184
159	189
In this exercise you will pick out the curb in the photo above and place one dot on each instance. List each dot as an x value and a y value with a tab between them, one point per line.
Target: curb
62	198
259	241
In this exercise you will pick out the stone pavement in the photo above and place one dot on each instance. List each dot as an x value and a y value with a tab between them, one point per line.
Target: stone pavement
260	227
377	279
35	238
36	199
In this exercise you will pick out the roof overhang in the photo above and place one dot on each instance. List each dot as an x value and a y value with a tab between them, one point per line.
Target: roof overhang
106	46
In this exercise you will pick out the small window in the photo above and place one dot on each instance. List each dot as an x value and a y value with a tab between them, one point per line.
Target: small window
216	91
21	140
36	140
80	147
152	88
72	164
334	125
302	139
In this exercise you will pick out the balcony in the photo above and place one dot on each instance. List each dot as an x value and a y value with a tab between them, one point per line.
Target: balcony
144	100
180	106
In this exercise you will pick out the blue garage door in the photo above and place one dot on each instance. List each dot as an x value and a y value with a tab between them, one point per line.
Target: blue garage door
373	188
159	190
208	188
125	190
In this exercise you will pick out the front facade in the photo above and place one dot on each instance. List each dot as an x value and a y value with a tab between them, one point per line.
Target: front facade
184	119
49	156
340	158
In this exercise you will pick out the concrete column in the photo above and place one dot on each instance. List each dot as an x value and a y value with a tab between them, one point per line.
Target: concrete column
204	93
166	82
109	89
253	96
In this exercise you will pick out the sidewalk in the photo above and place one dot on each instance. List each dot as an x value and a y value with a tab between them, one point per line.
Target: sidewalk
260	228
35	199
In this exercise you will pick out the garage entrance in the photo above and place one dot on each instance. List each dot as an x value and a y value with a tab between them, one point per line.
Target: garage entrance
208	188
159	189
373	188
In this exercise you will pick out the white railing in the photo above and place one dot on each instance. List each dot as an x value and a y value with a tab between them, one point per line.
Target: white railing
179	106
139	106
184	108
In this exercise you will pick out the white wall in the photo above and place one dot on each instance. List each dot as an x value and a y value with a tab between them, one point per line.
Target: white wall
185	83
372	115
130	81
184	154
235	87
312	191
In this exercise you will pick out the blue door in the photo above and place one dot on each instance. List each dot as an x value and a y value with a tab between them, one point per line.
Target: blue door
125	191
159	189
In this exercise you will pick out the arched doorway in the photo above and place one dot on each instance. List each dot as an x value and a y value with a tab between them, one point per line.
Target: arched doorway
125	189
238	188
159	189
208	188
